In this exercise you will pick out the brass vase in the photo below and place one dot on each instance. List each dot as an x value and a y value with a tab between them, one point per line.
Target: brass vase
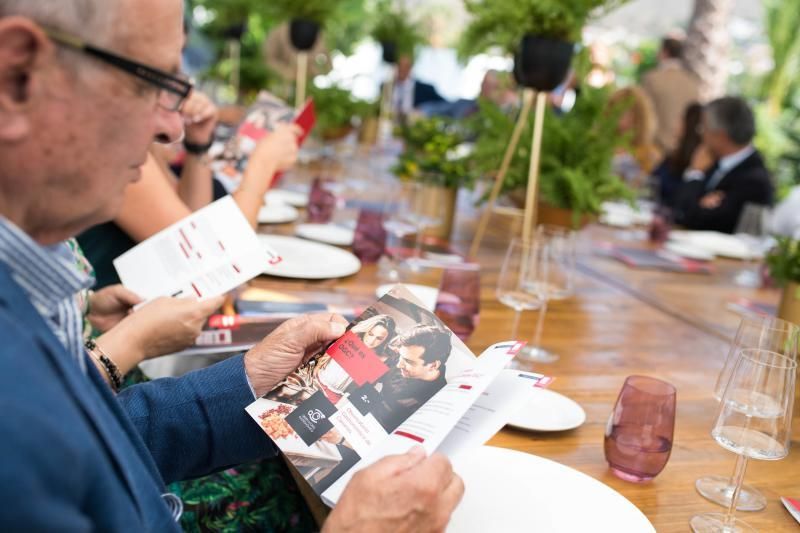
789	308
438	203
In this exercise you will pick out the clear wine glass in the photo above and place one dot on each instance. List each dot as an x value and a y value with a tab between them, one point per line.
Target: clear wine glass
426	213
753	230
399	222
754	422
563	254
520	284
755	332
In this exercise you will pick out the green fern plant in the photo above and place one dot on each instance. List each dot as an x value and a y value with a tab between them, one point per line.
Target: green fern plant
318	11
395	26
784	261
577	152
503	23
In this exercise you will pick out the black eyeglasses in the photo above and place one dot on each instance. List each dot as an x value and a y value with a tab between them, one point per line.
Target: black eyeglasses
173	90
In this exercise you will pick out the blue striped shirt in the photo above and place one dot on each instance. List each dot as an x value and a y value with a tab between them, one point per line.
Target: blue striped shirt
49	277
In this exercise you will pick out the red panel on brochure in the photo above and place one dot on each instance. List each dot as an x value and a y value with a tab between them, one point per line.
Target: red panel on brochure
357	360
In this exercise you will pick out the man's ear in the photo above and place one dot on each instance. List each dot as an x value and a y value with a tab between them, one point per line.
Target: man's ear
22	44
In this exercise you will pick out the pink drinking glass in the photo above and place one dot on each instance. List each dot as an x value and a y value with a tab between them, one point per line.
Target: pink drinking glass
640	430
369	242
458	303
321	202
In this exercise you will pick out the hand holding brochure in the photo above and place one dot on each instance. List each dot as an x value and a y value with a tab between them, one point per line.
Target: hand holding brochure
397	378
207	254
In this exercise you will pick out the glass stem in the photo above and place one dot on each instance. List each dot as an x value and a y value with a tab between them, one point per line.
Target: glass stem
738	479
537	339
515	327
418	243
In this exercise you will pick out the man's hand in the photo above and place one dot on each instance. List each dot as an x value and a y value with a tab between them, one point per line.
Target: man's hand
702	159
163	326
403	493
108	306
286	348
200	117
712	200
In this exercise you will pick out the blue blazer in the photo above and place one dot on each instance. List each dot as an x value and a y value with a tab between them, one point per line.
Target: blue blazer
73	457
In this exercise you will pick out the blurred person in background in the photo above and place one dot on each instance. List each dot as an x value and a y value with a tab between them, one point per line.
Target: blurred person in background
671	88
410	94
726	171
159	199
669	174
637	125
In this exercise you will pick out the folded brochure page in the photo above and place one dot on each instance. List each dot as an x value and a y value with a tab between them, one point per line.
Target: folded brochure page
397	378
207	254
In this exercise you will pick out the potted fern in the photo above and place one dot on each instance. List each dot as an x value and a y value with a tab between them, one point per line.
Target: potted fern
540	34
577	153
783	262
338	112
434	155
395	32
306	18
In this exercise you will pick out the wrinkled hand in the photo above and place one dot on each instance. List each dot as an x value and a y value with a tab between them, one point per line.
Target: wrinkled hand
702	159
278	150
286	348
108	306
712	200
200	117
166	325
403	493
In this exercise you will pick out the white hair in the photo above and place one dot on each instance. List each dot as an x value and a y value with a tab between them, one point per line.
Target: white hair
89	19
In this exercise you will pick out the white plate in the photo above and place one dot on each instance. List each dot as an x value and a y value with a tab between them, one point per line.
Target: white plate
689	251
548	410
293	198
720	244
509	491
304	259
426	295
276	213
327	233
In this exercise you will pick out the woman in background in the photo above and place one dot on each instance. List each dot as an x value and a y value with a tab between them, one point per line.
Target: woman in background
638	124
669	174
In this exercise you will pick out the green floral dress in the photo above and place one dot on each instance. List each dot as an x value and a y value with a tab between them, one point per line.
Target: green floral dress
255	497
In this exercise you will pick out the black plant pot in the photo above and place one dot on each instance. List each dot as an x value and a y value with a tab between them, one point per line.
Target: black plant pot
235	31
542	63
303	34
389	51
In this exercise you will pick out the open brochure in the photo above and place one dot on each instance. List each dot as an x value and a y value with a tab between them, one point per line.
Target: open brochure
397	378
207	254
261	119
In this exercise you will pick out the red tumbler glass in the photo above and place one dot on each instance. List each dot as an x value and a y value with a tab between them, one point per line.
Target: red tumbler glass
640	430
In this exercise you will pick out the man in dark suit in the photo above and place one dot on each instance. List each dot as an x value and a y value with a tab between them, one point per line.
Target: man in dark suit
726	172
410	94
75	127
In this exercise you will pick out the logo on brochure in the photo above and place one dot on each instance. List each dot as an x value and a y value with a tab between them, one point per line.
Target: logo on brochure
312	420
315	415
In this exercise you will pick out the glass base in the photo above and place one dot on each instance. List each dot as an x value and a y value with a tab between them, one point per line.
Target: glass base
719	490
748	279
530	354
714	523
630	477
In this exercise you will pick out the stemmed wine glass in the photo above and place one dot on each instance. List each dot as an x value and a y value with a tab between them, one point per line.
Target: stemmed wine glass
521	285
754	422
755	332
753	230
399	222
425	213
557	283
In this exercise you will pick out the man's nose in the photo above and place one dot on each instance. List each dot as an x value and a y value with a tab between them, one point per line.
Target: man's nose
169	126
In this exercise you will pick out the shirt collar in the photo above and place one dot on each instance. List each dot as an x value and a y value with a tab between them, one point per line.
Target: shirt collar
48	274
731	161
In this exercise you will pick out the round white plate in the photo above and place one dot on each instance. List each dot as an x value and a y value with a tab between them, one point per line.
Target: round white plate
293	198
689	251
720	244
327	233
275	213
547	410
304	259
426	295
509	491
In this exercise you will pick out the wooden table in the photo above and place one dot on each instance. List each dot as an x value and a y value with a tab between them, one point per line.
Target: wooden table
623	322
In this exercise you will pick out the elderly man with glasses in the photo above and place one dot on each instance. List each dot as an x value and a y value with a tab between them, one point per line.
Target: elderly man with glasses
85	87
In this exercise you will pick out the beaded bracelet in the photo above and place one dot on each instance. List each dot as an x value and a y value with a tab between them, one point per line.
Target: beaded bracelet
111	369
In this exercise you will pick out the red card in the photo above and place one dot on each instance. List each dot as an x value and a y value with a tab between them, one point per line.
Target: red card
306	119
357	360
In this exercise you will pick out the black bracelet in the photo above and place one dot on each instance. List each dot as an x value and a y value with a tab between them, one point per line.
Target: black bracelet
112	370
198	149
